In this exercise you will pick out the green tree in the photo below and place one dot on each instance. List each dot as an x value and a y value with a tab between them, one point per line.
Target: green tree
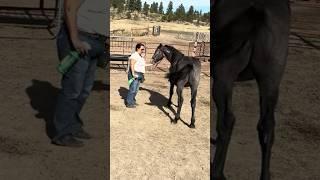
180	13
145	8
161	8
169	12
152	7
131	5
205	17
138	5
156	8
121	6
190	14
170	8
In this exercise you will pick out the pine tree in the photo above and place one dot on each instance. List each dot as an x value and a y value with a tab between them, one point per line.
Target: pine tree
138	5
121	6
180	13
113	3
170	8
152	7
145	8
169	12
156	8
161	8
131	5
190	14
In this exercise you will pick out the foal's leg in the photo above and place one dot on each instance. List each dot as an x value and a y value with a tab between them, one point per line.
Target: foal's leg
225	72
269	62
268	100
222	93
170	95
180	86
193	105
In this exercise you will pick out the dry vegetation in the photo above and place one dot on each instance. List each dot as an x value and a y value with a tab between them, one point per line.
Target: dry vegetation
167	26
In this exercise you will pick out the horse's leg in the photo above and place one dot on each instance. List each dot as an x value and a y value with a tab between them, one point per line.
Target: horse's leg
170	94
269	59
225	71
193	105
268	100
180	86
268	79
222	93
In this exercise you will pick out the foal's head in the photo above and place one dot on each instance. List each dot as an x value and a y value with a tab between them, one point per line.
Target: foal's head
158	55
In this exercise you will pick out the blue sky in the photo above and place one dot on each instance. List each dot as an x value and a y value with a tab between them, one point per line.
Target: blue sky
203	5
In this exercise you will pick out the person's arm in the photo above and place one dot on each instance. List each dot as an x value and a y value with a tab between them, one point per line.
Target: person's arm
132	63
71	8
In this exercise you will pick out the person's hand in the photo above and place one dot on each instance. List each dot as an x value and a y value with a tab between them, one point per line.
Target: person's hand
81	46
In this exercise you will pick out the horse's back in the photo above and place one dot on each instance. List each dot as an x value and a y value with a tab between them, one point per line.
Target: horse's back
188	72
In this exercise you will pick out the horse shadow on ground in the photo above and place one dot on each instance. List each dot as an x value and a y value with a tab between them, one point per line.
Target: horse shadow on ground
159	100
43	96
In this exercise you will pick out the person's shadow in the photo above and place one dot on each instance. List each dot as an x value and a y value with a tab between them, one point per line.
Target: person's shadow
43	96
123	93
42	99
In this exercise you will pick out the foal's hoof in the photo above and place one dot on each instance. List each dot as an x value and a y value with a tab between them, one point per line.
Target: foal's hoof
265	176
175	120
192	126
218	178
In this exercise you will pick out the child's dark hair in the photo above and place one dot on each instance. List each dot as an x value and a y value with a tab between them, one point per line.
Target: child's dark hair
138	46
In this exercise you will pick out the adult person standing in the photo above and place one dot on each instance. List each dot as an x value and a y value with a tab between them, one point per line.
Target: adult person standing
84	29
135	74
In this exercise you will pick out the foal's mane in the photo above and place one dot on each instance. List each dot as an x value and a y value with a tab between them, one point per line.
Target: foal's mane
174	50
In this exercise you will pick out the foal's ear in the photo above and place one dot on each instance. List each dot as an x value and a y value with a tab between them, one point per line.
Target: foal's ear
160	44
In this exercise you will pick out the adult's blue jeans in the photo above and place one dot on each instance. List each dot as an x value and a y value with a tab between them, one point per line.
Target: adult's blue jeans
77	83
133	89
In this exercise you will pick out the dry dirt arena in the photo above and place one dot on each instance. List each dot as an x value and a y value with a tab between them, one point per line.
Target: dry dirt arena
29	85
145	145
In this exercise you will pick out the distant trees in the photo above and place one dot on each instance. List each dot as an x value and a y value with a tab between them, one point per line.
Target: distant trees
190	14
154	8
180	13
168	14
145	8
160	11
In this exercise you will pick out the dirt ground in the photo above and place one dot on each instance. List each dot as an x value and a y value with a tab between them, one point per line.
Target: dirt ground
145	145
29	85
295	153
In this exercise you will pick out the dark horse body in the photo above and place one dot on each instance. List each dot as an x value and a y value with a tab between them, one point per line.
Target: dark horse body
250	40
184	72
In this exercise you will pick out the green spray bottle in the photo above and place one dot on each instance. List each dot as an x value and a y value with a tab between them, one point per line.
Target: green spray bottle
67	62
